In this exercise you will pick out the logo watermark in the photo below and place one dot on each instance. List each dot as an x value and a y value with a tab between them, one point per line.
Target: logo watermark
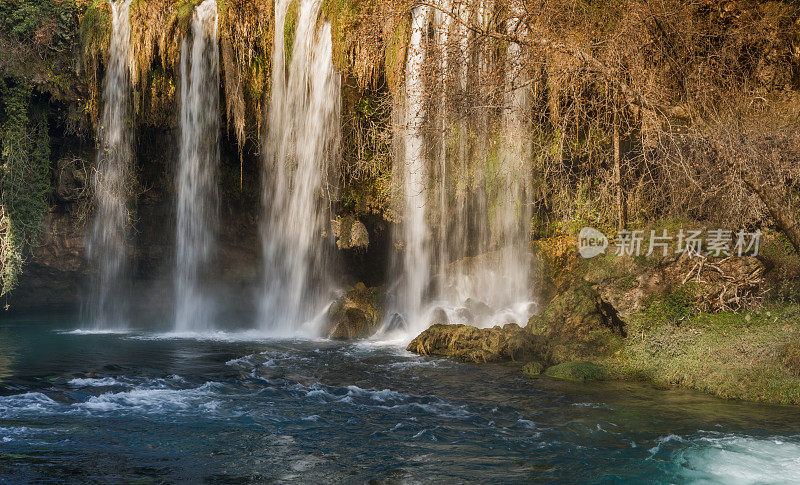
713	242
591	242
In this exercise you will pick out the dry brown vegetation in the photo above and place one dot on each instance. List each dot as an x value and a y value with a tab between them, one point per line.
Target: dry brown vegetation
643	109
639	109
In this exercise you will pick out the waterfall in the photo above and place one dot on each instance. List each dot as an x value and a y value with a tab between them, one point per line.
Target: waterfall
303	134
415	229
197	198
465	173
107	245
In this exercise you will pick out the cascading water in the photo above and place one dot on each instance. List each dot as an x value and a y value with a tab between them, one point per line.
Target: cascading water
303	134
107	244
464	177
415	229
197	203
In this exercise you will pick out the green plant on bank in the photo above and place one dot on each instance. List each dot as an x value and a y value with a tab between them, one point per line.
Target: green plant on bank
24	179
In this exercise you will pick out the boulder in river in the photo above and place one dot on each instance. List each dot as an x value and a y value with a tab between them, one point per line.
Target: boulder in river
471	344
356	314
397	322
438	316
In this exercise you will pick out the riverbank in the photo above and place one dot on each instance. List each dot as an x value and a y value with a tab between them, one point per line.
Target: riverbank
723	326
751	355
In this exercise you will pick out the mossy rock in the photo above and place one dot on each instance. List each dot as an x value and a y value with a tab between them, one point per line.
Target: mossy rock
356	314
579	325
576	371
580	308
509	343
533	369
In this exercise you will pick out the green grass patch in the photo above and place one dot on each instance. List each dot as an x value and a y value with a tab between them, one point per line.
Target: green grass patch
576	371
748	356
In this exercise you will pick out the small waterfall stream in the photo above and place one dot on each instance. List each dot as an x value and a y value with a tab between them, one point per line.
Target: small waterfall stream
303	133
465	177
108	241
197	197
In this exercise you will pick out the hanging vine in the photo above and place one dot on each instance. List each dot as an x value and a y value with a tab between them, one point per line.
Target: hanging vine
24	180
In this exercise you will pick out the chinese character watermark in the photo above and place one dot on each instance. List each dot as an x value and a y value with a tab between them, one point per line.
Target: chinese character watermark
715	242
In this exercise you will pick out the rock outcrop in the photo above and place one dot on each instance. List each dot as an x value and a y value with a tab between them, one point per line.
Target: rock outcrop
481	345
356	314
350	233
717	284
578	324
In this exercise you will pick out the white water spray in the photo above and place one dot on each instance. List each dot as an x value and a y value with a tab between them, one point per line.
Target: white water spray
107	245
303	135
197	194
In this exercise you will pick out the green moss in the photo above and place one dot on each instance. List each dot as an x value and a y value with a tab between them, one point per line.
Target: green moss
289	30
367	153
342	15
784	276
184	9
670	309
532	369
480	345
395	55
791	357
96	24
576	371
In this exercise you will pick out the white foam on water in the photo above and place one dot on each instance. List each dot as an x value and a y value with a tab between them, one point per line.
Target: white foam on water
441	409
24	403
8	434
152	400
743	460
211	335
731	459
96	382
376	395
107	331
154	397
